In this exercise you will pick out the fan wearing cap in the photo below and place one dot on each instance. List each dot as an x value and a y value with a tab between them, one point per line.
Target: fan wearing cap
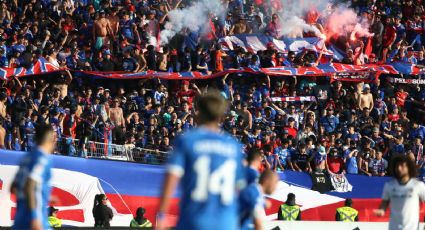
330	121
334	162
54	221
290	127
319	156
186	94
101	30
365	98
410	57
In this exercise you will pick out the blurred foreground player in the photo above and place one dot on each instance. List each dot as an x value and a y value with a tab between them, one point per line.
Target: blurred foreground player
404	193
32	182
252	201
209	165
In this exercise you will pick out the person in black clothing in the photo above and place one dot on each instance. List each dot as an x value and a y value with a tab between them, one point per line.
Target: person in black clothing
301	159
19	108
186	60
101	212
107	64
151	57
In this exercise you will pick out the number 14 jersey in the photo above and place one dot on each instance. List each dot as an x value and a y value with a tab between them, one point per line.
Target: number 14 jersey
211	171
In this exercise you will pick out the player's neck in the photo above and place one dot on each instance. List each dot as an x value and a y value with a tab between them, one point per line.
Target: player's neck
404	180
44	149
211	126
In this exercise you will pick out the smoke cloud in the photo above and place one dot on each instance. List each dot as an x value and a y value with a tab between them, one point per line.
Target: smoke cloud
194	18
296	16
293	17
344	21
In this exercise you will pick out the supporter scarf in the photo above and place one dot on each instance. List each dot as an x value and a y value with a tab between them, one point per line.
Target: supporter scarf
291	99
361	76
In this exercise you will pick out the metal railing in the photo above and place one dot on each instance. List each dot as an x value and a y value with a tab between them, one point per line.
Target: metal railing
92	149
148	156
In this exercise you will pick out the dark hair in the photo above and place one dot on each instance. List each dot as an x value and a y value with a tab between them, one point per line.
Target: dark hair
140	213
402	159
290	200
42	130
98	199
267	148
348	202
253	154
211	107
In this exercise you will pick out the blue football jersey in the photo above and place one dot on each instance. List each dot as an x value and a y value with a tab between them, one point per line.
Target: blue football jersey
251	202
210	166
35	165
251	175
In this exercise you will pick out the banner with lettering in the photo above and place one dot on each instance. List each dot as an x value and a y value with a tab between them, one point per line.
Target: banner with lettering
399	80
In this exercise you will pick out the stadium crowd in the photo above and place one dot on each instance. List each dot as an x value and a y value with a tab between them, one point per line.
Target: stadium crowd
353	128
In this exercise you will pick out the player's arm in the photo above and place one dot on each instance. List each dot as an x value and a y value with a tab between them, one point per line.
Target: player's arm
384	203
30	190
382	208
258	224
170	184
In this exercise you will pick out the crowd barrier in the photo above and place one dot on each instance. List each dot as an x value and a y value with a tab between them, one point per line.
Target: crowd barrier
92	149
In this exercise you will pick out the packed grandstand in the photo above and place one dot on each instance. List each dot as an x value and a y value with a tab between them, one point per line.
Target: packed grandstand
323	84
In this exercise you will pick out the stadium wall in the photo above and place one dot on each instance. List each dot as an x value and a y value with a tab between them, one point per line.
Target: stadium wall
131	185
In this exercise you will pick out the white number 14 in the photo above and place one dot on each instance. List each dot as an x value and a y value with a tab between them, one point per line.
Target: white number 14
221	181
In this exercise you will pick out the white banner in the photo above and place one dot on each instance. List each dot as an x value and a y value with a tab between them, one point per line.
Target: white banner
340	183
81	186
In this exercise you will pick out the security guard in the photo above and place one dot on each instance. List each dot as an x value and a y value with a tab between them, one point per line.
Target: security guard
347	213
140	221
53	220
289	211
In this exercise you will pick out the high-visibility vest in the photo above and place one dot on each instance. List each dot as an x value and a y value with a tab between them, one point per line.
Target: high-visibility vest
54	222
347	214
290	212
134	224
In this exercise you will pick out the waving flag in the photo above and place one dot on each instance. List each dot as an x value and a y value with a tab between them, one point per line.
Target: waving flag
39	67
256	42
